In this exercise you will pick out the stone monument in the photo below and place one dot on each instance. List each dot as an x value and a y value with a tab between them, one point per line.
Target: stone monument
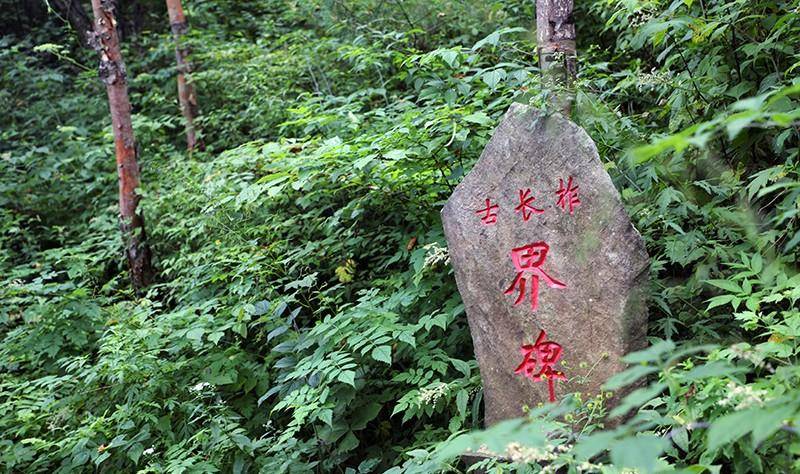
552	272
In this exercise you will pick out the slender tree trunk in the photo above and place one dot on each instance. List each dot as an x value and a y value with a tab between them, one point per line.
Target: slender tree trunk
555	37
186	94
73	12
137	16
112	73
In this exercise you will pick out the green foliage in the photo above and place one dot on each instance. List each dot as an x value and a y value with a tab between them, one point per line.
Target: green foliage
306	316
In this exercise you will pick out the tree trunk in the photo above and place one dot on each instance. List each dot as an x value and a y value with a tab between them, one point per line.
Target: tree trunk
186	93
112	73
73	12
555	38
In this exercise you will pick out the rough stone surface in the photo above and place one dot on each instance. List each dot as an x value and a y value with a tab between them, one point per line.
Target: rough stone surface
596	252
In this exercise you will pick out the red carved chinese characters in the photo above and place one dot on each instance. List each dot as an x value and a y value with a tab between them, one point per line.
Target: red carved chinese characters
542	356
525	205
567	195
528	261
489	213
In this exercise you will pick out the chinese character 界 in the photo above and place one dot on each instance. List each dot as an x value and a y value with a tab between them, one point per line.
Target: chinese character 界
528	261
567	195
489	214
525	206
543	354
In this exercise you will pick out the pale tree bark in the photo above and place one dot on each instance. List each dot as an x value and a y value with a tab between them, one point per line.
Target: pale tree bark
186	94
112	73
72	11
555	38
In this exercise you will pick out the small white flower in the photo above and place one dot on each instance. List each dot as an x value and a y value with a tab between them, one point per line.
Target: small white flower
435	255
200	387
149	451
431	395
743	396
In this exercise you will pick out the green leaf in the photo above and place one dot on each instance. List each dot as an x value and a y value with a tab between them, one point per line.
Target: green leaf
770	421
730	428
637	398
592	445
364	415
757	263
326	415
493	77
383	354
449	56
102	457
640	452
738	122
135	452
710	369
652	353
348	377
395	154
629	376
478	117
680	437
726	285
492	39
195	334
349	442
461	366
720	300
462	398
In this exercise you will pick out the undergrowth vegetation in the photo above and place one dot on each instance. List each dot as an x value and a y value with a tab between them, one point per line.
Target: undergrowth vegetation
305	317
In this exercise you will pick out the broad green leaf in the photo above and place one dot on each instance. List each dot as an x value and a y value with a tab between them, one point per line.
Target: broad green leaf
462	398
383	354
364	415
639	452
629	376
493	77
726	285
771	420
195	334
348	377
727	429
478	117
652	353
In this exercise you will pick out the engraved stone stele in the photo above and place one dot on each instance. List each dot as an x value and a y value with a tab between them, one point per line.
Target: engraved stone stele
568	263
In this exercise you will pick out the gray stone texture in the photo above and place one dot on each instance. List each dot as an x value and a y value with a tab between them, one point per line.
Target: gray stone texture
596	252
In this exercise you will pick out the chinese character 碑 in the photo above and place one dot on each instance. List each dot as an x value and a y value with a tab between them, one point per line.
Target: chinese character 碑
542	355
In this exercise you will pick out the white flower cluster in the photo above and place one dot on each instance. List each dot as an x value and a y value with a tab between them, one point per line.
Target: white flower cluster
744	352
436	254
743	396
199	387
430	395
639	18
517	452
653	78
586	466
